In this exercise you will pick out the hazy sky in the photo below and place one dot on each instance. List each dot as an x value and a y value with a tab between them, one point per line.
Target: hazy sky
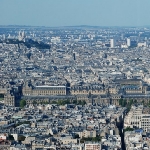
75	12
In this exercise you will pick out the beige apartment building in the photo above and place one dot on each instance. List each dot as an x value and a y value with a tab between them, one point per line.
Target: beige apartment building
138	117
93	146
77	90
44	90
9	99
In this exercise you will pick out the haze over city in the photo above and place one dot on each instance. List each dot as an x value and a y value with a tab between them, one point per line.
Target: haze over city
74	75
75	12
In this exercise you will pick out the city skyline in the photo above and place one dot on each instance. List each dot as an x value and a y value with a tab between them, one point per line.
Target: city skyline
74	13
74	75
74	88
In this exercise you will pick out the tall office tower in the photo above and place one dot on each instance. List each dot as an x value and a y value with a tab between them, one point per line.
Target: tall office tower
112	43
74	56
21	36
128	42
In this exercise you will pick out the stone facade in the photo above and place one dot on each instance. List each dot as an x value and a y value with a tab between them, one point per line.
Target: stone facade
95	90
44	90
9	100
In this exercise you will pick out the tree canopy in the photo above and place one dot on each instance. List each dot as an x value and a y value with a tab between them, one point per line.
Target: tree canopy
123	103
22	103
10	137
21	138
63	102
128	129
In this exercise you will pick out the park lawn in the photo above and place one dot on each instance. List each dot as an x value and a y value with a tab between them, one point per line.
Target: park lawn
1	99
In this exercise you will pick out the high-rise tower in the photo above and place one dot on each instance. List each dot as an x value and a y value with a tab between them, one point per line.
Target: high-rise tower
128	42
112	43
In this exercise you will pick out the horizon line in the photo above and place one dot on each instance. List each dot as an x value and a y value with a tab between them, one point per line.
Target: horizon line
127	26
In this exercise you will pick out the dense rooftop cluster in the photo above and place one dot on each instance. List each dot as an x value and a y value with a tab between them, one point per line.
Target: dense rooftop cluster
41	126
65	76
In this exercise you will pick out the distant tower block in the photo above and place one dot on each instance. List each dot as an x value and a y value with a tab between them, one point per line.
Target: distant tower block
21	36
112	43
128	42
74	56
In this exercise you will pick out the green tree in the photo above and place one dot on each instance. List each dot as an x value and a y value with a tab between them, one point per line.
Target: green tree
76	136
131	102
93	139
22	103
124	103
120	101
74	101
34	102
135	101
46	102
10	137
67	101
83	102
59	102
129	105
1	95
21	138
128	129
128	108
54	102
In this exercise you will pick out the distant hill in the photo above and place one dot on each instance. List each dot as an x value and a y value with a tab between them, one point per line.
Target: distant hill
30	43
